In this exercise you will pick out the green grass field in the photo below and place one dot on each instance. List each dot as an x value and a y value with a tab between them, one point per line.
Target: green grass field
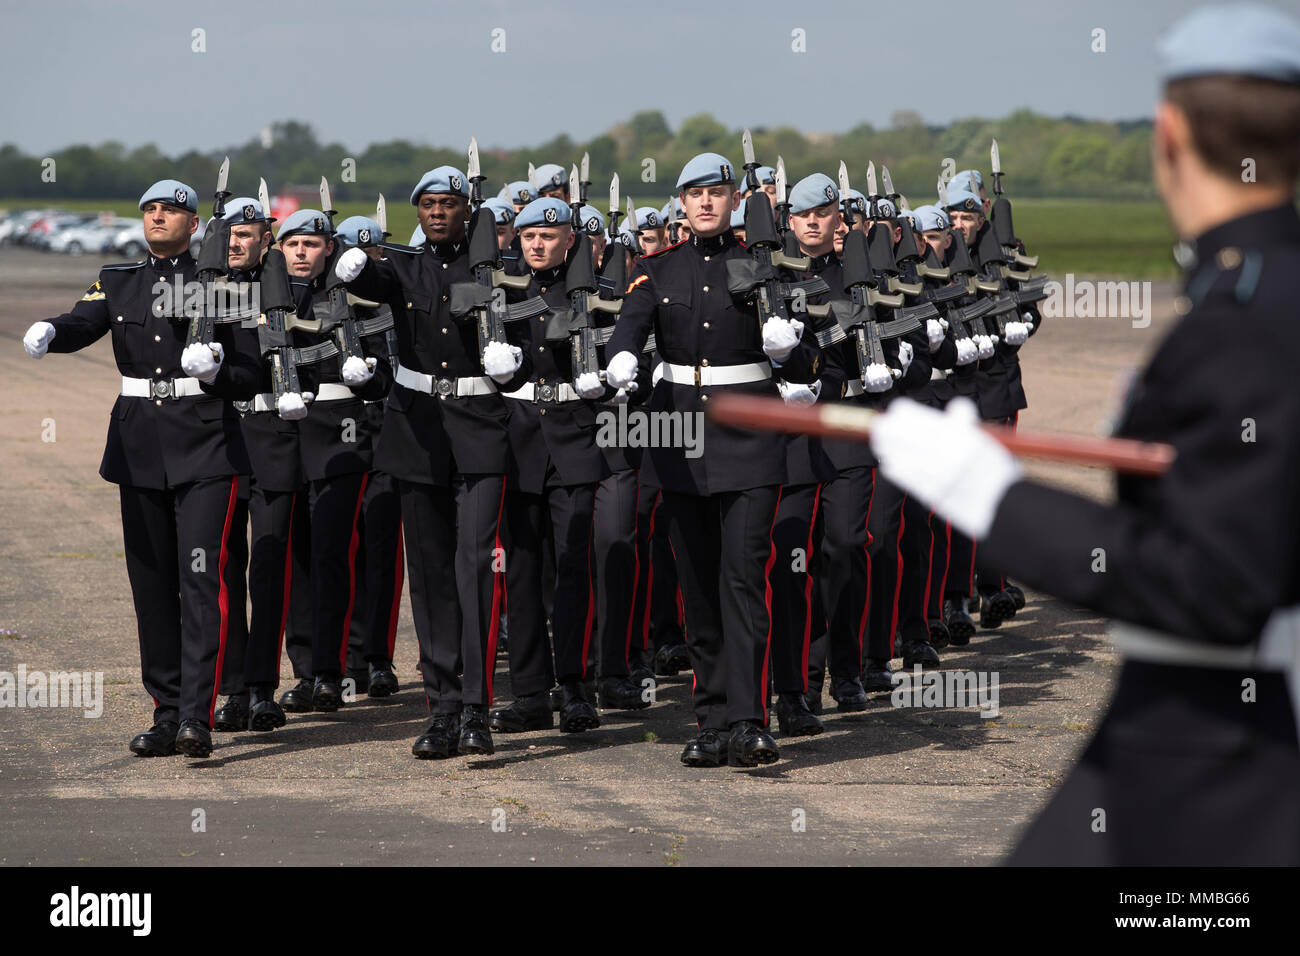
1121	239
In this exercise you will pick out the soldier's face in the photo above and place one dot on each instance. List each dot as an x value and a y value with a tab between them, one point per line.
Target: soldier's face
442	216
167	228
841	230
597	249
247	243
652	240
708	208
306	255
545	246
968	223
815	228
505	235
770	189
920	242
555	192
939	240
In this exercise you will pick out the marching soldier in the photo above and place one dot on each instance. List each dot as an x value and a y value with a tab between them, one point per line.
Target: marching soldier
720	504
445	440
557	468
174	450
1200	578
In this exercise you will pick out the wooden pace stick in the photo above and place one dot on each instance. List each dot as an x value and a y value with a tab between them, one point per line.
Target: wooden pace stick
854	423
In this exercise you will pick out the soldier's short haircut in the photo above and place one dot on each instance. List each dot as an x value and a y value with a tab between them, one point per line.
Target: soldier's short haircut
1234	118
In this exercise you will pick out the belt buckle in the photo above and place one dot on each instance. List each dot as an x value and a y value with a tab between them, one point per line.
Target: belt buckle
444	386
161	389
697	376
243	407
544	393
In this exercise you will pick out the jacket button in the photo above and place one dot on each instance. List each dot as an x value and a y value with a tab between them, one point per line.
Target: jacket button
157	338
704	398
543	411
444	330
543	288
706	288
444	265
706	325
665	300
541	348
119	318
445	298
158	402
157	371
443	397
541	381
444	364
704	363
410	305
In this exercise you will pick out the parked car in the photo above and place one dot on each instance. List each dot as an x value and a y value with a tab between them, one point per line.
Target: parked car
129	241
93	237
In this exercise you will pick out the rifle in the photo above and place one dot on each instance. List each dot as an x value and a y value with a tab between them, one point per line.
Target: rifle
789	242
856	321
273	335
580	284
214	263
338	317
477	298
1002	224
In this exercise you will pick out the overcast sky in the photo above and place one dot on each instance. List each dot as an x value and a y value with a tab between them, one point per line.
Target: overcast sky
359	72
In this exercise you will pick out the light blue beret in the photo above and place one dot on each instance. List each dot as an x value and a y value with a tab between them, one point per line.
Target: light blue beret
665	212
520	191
245	209
547	211
766	174
1238	39
963	176
813	191
444	179
173	193
929	218
858	201
592	220
550	176
305	222
502	209
359	231
884	209
961	198
647	217
706	169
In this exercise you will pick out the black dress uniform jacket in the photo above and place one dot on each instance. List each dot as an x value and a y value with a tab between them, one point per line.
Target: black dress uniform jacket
160	443
563	434
680	293
1206	553
426	438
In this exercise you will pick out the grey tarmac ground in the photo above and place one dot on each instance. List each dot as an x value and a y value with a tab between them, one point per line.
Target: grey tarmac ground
888	786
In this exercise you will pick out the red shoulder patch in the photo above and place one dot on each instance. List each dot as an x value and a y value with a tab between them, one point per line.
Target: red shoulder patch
636	282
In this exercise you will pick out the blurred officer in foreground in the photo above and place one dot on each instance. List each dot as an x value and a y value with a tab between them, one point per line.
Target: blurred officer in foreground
1197	760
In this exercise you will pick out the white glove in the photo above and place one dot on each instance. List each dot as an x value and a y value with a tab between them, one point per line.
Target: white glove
202	360
657	374
879	377
621	370
780	337
967	351
796	394
589	385
620	397
292	406
905	355
350	264
934	332
984	344
967	482
1016	333
1028	319
500	360
38	338
357	371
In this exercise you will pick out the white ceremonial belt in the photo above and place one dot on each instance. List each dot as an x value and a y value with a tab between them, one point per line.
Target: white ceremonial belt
938	374
441	385
537	392
332	392
853	388
1278	649
167	388
702	376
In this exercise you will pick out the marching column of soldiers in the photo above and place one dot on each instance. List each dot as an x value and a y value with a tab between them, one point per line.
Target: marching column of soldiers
430	414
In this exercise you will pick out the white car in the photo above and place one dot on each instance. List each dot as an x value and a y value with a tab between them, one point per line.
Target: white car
129	241
93	237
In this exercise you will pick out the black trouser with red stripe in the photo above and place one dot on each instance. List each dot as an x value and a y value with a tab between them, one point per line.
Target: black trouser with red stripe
335	507
989	578
916	545
298	623
886	524
232	670
380	571
178	562
792	585
723	546
452	557
657	608
564	515
845	577
275	525
614	568
941	547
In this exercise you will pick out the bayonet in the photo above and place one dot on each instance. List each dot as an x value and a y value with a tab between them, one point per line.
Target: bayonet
263	196
223	177
381	215
532	175
873	195
326	204
751	167
584	179
995	162
943	194
889	184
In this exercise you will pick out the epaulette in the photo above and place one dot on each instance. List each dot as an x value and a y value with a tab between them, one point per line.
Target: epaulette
660	252
121	266
398	247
